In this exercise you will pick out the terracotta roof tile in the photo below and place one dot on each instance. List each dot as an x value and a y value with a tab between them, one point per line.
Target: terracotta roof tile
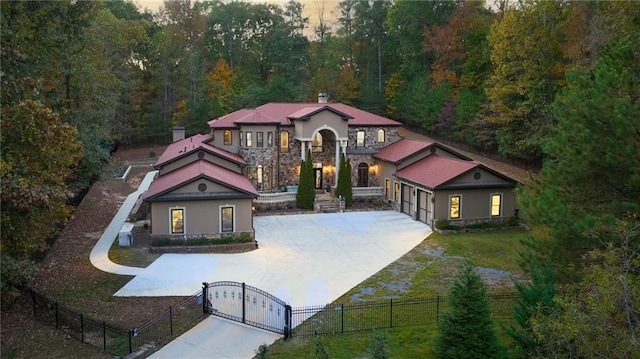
282	112
195	170
402	149
434	171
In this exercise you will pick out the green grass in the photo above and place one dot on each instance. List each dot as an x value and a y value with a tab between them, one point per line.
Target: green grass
131	256
426	272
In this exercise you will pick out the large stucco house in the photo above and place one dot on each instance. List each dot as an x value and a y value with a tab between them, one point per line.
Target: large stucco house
208	184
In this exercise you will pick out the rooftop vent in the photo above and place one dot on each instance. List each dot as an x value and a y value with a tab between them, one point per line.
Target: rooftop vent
322	97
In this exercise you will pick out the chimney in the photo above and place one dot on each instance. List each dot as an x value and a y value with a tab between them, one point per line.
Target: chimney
178	133
322	97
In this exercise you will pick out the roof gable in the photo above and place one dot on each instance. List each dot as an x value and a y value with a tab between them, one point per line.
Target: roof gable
401	150
438	172
192	144
196	170
306	113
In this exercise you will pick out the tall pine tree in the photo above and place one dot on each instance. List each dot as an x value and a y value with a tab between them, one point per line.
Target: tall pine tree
466	329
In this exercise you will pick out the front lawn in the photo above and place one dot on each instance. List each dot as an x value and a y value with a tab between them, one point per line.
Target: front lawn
423	272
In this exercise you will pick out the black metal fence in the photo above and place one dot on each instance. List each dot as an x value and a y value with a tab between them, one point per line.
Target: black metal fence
342	318
112	339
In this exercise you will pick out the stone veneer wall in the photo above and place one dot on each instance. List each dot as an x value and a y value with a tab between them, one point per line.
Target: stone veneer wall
371	137
285	171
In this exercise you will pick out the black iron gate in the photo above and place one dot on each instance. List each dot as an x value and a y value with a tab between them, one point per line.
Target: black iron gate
248	305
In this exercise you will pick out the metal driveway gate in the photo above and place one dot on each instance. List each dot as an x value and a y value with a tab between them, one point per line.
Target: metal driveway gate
248	305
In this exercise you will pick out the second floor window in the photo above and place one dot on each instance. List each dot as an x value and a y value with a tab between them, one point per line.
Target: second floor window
317	143
360	139
380	135
259	139
269	139
247	136
284	141
227	138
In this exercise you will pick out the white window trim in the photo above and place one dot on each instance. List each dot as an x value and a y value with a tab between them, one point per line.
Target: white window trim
491	203
459	206
233	206
184	220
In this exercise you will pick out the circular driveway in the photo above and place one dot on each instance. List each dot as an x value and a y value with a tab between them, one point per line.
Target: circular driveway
307	259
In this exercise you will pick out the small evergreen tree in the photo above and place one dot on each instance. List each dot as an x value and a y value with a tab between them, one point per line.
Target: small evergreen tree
344	187
466	329
535	298
378	346
306	190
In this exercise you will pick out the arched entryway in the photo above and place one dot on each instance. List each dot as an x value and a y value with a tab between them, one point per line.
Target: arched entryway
363	175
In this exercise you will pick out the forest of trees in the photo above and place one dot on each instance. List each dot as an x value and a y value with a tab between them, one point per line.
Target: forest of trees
548	82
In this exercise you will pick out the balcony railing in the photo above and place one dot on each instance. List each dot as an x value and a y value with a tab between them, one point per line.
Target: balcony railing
290	196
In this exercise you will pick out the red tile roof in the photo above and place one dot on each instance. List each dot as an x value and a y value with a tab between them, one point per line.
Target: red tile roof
398	151
196	170
281	113
434	171
184	147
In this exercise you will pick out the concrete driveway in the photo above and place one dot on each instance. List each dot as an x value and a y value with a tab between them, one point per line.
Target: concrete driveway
307	259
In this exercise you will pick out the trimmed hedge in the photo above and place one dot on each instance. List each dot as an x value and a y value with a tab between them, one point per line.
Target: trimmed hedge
200	241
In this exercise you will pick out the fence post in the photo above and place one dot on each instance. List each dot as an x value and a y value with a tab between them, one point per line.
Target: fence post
56	308
170	321
244	305
390	312
33	299
341	318
438	309
130	344
205	296
287	321
81	329
104	335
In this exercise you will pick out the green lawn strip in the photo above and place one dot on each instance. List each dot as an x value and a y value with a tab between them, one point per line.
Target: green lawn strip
424	272
132	256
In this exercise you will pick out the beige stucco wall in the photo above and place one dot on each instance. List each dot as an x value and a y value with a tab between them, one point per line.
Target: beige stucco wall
218	140
476	203
305	129
201	217
193	187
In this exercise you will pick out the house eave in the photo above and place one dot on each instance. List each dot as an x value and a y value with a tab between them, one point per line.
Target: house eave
199	196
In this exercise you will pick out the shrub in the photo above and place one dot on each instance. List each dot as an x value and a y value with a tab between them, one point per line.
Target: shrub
200	241
153	154
444	224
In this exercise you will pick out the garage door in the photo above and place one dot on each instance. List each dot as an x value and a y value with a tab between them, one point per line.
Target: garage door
407	199
424	202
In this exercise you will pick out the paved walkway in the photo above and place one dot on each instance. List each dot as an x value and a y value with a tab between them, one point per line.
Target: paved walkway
99	256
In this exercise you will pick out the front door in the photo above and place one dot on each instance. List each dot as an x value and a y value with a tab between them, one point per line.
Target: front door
363	175
317	176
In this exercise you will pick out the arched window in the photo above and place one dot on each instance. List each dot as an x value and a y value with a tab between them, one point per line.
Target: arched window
227	138
284	141
381	135
316	146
